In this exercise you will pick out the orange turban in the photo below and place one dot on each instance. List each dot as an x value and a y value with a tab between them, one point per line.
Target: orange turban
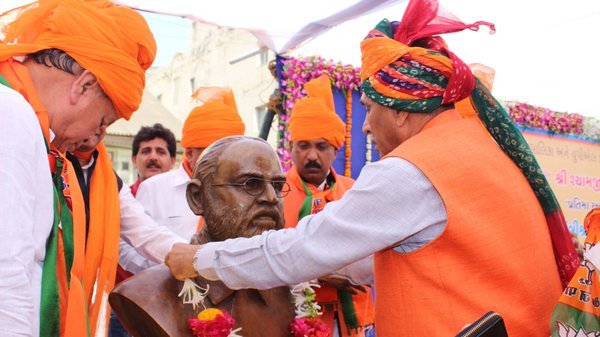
216	118
314	116
113	42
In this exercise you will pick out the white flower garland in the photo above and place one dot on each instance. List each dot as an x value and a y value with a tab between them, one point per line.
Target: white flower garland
304	299
193	294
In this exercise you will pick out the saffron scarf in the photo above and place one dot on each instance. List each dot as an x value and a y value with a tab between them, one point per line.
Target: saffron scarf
63	308
102	247
407	68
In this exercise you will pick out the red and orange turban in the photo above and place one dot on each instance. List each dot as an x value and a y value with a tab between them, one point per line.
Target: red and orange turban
217	118
314	116
407	68
113	42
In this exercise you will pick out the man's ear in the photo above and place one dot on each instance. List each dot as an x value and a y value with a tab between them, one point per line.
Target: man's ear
193	194
401	117
85	84
133	161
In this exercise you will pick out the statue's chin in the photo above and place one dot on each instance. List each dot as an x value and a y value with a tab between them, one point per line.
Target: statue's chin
262	223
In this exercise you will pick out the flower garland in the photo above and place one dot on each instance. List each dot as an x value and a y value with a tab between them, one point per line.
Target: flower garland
210	322
561	123
295	73
348	152
213	322
307	322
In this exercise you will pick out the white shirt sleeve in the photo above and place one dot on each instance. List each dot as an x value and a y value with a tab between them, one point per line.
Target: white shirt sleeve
141	232
25	214
593	256
359	272
391	205
131	261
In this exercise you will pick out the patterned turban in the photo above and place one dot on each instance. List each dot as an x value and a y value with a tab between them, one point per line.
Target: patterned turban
215	119
113	42
314	115
406	68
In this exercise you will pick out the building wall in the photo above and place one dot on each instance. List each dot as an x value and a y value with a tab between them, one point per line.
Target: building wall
207	64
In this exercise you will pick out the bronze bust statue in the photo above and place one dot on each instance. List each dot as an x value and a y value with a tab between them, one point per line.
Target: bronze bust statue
237	188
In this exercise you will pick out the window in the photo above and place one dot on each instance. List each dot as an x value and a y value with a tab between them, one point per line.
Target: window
193	84
125	166
260	113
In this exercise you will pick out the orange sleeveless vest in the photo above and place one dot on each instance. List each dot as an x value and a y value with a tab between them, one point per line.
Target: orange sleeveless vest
495	253
363	303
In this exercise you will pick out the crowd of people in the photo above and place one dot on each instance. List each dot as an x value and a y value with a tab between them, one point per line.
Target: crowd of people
414	247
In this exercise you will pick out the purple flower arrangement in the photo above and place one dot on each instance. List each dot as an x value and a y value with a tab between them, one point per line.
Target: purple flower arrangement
561	123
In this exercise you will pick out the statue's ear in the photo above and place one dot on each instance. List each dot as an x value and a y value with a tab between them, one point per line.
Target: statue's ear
194	196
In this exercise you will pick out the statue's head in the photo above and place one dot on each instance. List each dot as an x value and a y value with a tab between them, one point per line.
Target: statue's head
238	187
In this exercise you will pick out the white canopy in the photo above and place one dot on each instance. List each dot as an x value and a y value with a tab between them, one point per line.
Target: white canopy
544	52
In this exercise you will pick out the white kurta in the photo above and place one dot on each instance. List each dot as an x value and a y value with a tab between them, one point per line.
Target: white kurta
392	204
26	214
163	198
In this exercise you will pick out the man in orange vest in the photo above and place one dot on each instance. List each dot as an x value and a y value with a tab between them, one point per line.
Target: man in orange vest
457	213
80	65
316	134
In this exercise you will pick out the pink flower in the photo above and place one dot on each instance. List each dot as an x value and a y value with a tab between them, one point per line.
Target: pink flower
220	326
310	327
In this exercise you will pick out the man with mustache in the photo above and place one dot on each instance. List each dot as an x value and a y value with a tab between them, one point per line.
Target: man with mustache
457	213
153	152
317	133
163	195
238	188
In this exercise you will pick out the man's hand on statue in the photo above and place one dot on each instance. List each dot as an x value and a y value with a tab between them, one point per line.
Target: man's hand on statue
342	283
180	261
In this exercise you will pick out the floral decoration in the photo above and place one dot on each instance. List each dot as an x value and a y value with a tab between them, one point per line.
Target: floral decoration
561	123
213	322
348	152
296	72
210	322
310	327
307	322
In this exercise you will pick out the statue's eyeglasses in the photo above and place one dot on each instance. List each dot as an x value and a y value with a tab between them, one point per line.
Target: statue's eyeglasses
256	186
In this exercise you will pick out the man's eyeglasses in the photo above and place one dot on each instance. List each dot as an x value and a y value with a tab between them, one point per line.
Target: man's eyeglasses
256	186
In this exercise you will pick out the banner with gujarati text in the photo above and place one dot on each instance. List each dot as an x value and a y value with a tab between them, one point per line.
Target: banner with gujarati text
572	167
